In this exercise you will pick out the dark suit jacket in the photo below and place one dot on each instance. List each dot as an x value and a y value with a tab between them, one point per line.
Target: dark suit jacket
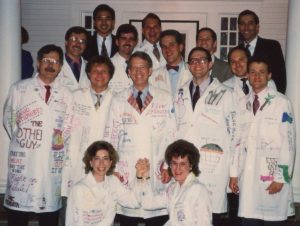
271	50
92	48
221	70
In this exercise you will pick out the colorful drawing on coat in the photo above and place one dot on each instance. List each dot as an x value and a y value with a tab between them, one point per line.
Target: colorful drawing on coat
57	140
211	155
271	166
285	172
286	117
267	101
214	96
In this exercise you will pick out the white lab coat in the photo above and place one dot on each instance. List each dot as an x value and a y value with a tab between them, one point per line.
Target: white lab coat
38	133
94	204
67	78
265	152
144	135
210	127
87	127
147	47
188	204
160	78
120	79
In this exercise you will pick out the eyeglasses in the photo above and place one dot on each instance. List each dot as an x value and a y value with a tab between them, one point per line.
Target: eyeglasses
75	39
48	60
196	61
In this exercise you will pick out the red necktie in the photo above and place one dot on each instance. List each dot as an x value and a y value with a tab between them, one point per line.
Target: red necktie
255	104
48	93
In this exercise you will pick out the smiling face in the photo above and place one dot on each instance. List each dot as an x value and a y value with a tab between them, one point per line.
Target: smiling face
248	28
126	43
171	50
104	23
151	30
180	168
258	76
99	77
76	45
238	63
206	41
100	163
139	72
49	67
199	66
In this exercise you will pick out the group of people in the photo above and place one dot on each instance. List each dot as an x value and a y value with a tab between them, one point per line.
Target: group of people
109	127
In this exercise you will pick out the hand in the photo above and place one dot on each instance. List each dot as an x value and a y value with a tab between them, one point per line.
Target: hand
233	184
142	168
274	187
165	176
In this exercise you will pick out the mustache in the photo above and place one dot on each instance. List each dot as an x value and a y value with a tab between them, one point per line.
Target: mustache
49	69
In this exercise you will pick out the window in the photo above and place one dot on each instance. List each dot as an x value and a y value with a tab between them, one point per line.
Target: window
87	22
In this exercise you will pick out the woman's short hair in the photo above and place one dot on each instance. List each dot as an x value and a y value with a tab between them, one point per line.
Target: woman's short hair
92	151
99	59
182	148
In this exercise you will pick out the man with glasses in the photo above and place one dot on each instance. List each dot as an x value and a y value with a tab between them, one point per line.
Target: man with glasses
73	74
205	117
102	42
37	115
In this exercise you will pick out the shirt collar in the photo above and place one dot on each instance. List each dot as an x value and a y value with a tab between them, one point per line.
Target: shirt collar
71	61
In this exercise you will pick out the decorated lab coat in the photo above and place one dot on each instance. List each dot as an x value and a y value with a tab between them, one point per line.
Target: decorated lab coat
147	47
38	133
265	152
141	135
87	127
210	127
94	204
188	204
160	78
120	79
66	76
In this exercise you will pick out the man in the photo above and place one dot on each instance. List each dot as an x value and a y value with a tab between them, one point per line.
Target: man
205	117
102	42
37	120
90	112
248	24
175	73
151	29
141	124
207	38
73	74
126	40
264	152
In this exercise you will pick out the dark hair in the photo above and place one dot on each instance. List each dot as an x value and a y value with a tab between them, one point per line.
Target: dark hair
141	55
152	16
99	59
125	29
239	48
104	7
248	12
50	48
24	35
76	30
260	60
207	53
182	148
212	32
171	32
92	151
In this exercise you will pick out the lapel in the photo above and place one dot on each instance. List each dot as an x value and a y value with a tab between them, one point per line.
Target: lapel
91	183
258	47
184	76
132	101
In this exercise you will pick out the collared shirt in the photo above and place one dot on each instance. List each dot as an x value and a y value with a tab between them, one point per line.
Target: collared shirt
252	45
94	93
203	86
42	86
72	63
174	76
261	96
143	95
108	43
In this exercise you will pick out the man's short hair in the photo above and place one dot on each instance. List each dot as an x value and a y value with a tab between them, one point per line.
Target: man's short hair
50	48
259	60
24	35
125	29
239	48
142	55
212	32
99	59
104	7
207	53
152	16
75	30
171	32
248	12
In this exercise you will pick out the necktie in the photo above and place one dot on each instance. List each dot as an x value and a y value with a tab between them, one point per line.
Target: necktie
255	104
169	67
196	96
247	48
48	93
156	52
97	104
139	100
103	49
245	87
76	71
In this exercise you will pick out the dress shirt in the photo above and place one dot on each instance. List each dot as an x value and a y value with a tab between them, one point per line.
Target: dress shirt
252	45
72	64
143	95
108	43
203	86
43	89
94	97
174	76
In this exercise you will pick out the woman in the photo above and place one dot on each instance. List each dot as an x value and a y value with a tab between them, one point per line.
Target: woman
187	200
93	200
